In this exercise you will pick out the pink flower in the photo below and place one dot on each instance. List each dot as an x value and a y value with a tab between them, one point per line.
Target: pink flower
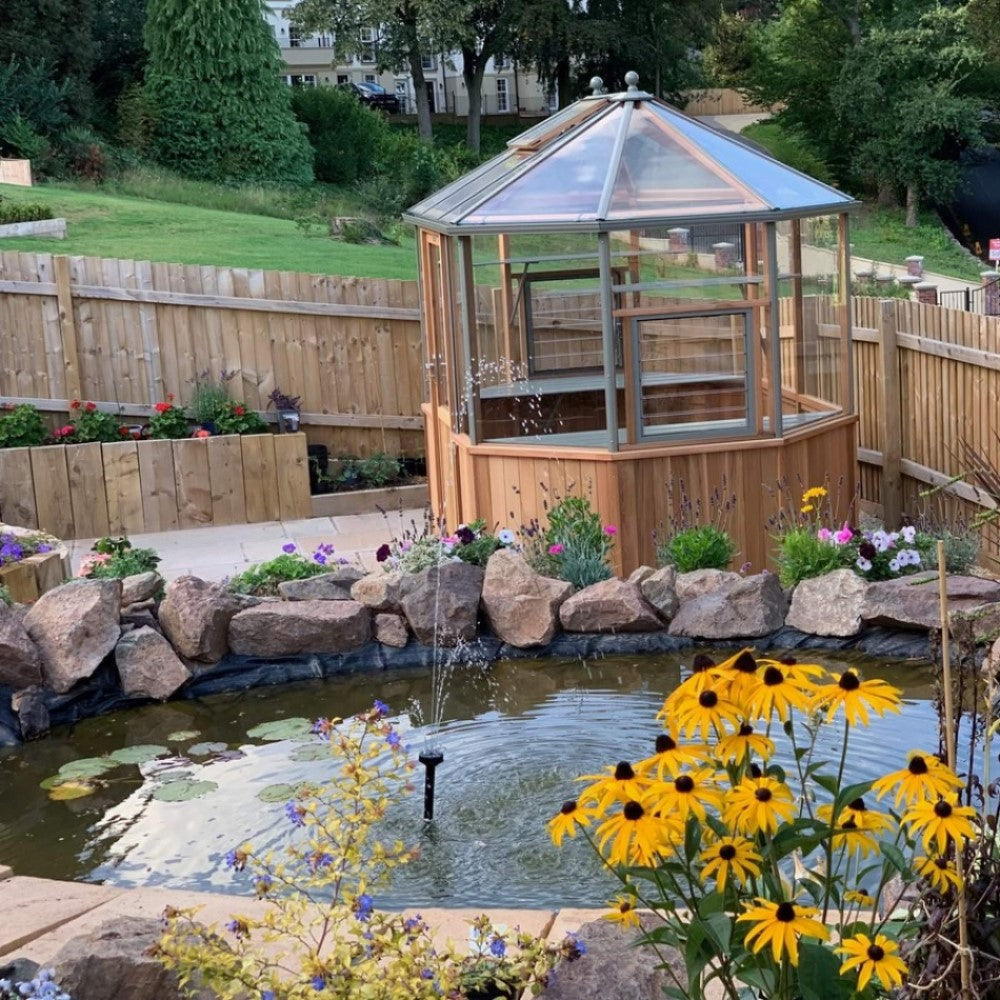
843	536
824	534
556	550
90	562
610	529
202	434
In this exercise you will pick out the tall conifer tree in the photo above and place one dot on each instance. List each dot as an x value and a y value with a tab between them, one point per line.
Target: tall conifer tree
214	82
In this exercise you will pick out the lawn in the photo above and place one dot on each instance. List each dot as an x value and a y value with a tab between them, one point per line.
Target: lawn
106	225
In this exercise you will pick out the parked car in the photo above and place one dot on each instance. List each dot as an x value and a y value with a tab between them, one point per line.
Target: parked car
374	96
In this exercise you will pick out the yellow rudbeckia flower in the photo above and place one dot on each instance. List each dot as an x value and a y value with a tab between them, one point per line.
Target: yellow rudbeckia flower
873	958
781	925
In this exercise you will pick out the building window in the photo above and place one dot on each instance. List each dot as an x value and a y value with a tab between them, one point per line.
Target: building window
324	41
428	63
367	53
342	78
370	78
502	96
294	36
403	96
307	80
500	63
551	97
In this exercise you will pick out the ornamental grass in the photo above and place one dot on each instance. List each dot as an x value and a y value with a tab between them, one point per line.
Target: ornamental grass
773	880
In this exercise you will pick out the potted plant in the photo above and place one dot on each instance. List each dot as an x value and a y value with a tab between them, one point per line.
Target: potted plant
209	399
288	409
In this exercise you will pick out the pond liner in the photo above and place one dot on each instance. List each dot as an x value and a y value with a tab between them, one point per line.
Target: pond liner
102	693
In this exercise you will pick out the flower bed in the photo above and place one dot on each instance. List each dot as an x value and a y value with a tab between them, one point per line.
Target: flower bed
94	489
30	564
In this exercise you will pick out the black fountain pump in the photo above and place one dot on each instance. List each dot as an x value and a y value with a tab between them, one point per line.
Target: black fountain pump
430	759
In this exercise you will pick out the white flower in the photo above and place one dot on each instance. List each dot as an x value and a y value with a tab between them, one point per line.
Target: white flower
909	534
880	540
894	565
863	564
505	536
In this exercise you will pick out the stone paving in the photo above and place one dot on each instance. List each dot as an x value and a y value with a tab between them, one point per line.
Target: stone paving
216	553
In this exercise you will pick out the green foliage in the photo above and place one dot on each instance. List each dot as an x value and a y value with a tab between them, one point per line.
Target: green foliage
262	579
235	418
136	120
19	139
80	152
29	212
21	427
801	556
115	559
345	135
209	396
702	547
5	597
575	545
791	147
213	81
169	421
380	469
87	423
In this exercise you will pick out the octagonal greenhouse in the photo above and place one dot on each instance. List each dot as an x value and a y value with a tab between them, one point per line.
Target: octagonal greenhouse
628	299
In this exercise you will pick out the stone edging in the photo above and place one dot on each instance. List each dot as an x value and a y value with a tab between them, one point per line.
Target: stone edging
52	228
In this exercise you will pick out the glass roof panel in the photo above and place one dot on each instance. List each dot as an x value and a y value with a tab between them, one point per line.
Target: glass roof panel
780	186
564	186
556	123
480	182
661	173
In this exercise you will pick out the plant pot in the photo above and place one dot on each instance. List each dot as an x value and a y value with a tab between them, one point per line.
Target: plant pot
288	421
210	426
415	466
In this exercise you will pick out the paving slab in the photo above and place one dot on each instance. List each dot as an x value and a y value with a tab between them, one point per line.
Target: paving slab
570	920
43	905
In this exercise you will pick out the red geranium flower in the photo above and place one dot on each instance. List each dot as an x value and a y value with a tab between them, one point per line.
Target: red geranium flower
65	430
239	411
90	407
74	404
162	407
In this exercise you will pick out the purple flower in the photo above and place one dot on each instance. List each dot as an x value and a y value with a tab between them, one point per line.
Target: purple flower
288	547
268	995
393	740
320	859
263	885
238	927
363	907
318	982
295	813
321	728
426	974
575	944
320	558
326	549
414	923
381	707
44	547
498	947
465	535
382	553
236	859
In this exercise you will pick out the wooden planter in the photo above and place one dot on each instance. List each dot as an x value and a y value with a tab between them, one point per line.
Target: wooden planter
369	501
132	487
28	579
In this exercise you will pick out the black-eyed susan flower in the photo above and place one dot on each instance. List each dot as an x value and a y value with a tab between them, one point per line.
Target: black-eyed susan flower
782	687
758	805
940	872
848	834
734	856
687	795
867	819
618	784
938	822
623	911
703	675
859	898
566	821
924	777
738	677
709	713
870	958
739	746
856	696
780	925
670	758
636	836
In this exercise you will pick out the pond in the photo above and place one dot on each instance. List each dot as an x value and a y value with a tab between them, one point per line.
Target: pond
515	735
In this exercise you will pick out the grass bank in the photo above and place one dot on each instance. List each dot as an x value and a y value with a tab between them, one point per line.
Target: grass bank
103	224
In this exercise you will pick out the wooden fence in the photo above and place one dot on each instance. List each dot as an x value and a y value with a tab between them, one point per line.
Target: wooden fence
718	101
125	333
128	487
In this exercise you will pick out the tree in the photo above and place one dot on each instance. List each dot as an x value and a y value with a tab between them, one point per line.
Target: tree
214	82
898	95
403	30
119	52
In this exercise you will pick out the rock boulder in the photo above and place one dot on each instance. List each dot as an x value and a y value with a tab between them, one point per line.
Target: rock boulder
613	968
333	586
74	626
521	606
32	712
148	666
609	606
699	582
140	587
293	627
381	591
195	616
740	607
829	605
20	664
442	604
660	589
913	601
390	630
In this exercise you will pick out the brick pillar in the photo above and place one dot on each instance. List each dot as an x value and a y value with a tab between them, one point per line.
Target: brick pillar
724	255
926	293
680	239
991	292
915	266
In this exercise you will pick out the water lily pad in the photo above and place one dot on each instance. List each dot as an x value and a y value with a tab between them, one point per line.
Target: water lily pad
139	754
183	790
281	729
276	793
312	751
72	789
204	749
87	767
183	736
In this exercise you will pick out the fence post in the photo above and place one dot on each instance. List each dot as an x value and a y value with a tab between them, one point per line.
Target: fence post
991	292
892	435
67	328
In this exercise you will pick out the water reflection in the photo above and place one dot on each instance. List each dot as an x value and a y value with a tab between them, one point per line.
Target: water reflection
515	735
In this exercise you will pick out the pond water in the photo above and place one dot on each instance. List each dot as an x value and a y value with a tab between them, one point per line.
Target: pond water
515	735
